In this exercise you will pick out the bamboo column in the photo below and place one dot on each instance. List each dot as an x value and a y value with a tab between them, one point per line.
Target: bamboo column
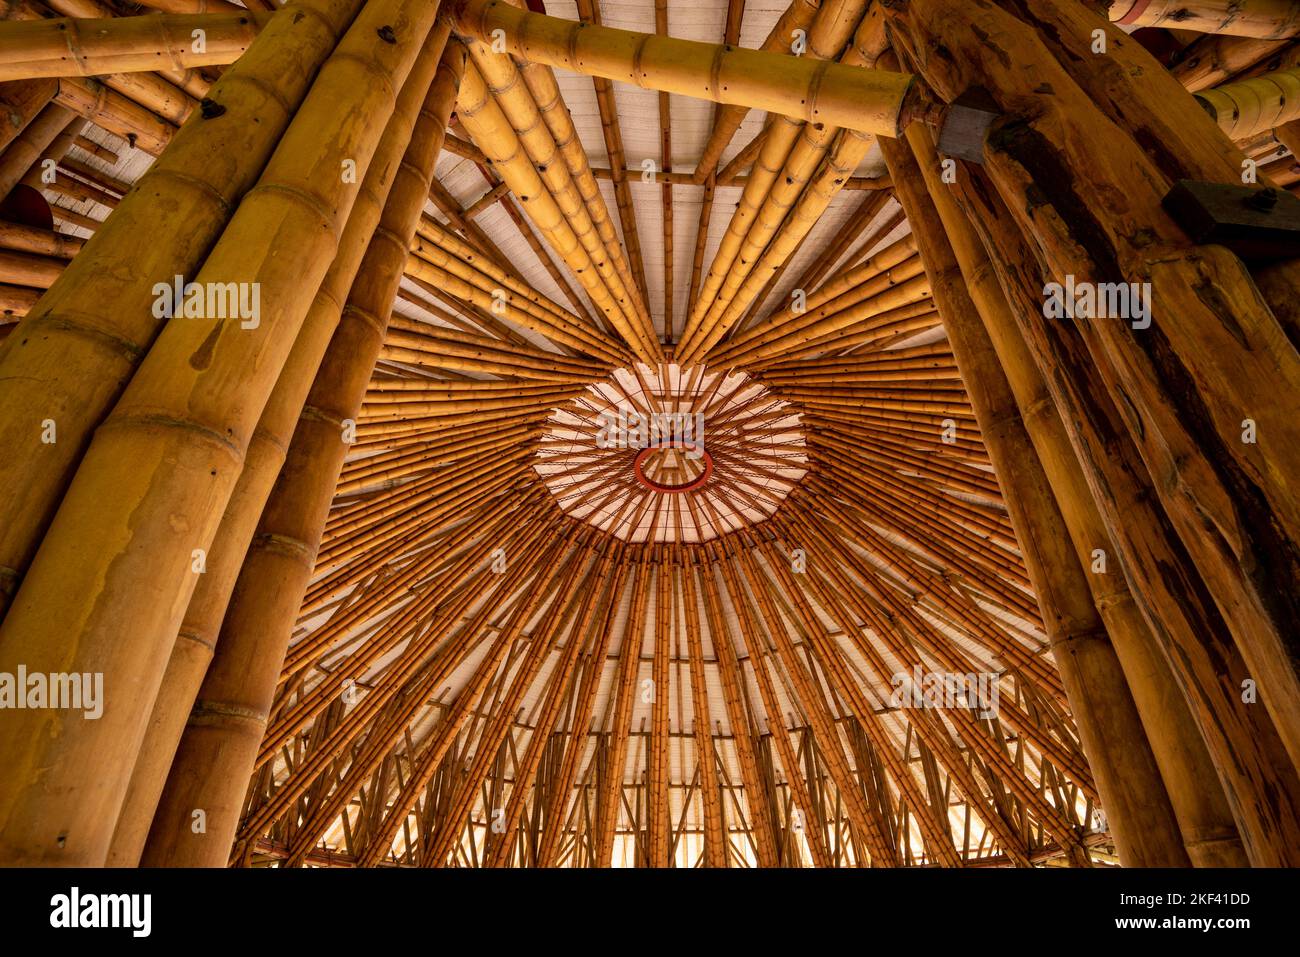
1244	747
1205	821
1190	383
201	627
230	716
158	474
92	328
1142	820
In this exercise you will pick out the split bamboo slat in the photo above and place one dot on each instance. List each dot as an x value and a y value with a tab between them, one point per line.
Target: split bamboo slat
203	449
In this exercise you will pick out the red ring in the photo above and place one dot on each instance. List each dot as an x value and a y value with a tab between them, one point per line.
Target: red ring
639	464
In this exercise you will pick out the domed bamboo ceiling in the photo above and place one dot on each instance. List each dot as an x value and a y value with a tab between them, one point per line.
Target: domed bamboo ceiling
663	512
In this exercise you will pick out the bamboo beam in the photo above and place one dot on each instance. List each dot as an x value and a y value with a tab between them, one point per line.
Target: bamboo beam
74	47
871	101
1253	106
1264	19
589	14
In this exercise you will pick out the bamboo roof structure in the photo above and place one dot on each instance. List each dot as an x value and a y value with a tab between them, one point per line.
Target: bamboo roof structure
652	447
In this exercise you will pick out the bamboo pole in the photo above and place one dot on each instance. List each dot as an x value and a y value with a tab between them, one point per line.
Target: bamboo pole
231	712
589	13
200	629
482	116
1191	436
31	144
20	102
1205	821
116	113
799	194
871	101
1265	19
74	47
97	321
830	32
30	239
1244	747
727	118
575	192
1256	105
200	452
1141	817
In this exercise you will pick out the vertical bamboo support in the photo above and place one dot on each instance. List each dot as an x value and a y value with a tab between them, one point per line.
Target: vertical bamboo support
200	629
1244	748
230	715
1197	371
1205	821
1142	819
84	339
149	493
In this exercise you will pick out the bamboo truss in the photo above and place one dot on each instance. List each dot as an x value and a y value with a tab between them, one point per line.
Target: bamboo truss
432	565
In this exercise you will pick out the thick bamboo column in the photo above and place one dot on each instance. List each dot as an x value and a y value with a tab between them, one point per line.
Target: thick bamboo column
1204	818
200	630
1142	820
1244	748
230	716
158	474
871	101
1200	368
74	47
93	327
